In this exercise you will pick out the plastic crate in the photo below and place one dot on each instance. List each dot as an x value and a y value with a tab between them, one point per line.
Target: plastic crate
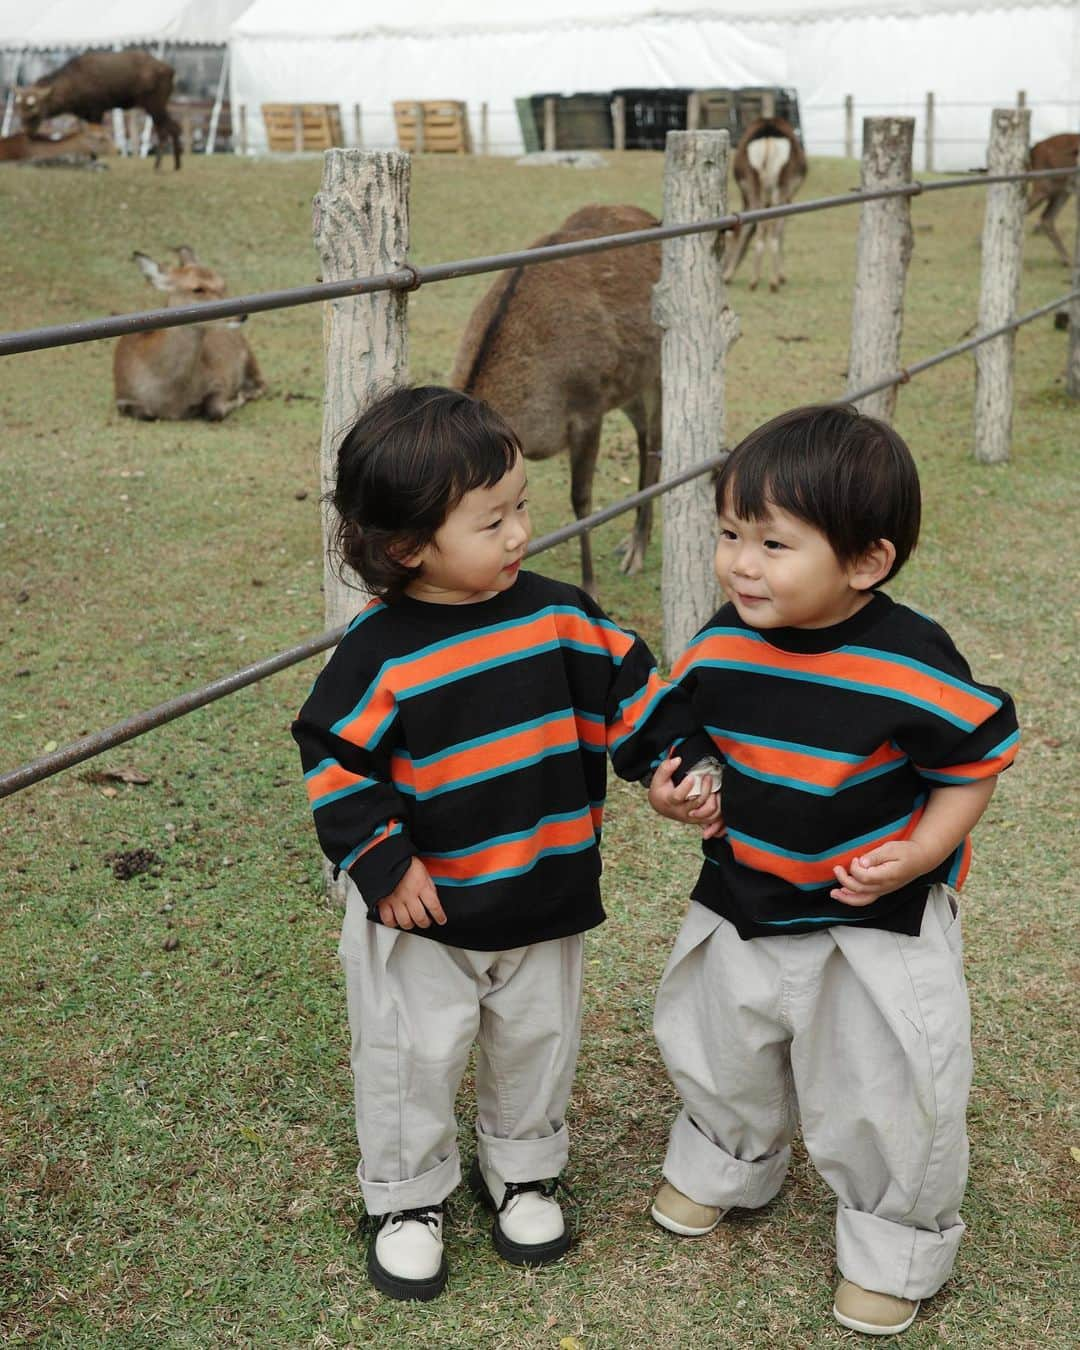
651	114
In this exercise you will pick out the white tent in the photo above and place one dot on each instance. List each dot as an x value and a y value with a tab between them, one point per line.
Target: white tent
59	24
888	54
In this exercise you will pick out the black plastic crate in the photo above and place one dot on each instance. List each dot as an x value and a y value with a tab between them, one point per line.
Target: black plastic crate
651	114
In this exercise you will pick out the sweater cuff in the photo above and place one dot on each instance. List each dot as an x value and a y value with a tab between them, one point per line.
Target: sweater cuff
377	871
692	751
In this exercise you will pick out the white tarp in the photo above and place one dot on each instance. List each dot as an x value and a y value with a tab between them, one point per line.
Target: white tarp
57	24
972	54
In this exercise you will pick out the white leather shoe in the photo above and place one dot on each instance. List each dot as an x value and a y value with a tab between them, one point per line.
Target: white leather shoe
529	1229
405	1256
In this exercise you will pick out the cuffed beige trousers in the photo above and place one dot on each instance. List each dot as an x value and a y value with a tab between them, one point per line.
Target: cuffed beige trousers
415	1009
866	1036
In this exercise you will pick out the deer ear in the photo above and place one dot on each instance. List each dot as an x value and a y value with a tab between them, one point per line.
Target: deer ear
185	254
151	271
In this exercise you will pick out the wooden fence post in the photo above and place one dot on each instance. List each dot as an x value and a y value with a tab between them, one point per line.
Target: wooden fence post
689	305
693	111
361	226
1072	372
618	121
243	129
485	130
849	127
1002	256
418	113
882	255
549	123
358	126
929	135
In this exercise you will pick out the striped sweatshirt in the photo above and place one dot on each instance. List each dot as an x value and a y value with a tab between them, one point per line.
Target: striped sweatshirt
476	738
831	740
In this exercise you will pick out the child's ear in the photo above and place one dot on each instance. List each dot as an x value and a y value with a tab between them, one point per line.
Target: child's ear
405	555
873	566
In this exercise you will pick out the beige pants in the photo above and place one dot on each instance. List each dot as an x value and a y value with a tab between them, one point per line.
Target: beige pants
415	1009
866	1035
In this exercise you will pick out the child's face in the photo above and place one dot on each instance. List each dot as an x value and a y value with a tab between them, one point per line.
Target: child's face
781	572
477	550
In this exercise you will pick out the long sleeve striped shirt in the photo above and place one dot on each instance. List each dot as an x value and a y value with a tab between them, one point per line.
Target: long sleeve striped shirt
476	738
831	741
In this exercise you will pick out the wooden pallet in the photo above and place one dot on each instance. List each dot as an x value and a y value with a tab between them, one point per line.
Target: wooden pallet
302	126
443	125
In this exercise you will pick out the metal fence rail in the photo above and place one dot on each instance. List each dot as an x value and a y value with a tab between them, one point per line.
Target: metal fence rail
409	278
97	742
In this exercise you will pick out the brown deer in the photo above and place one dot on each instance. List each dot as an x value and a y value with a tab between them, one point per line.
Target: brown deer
769	166
198	370
555	347
1056	152
90	84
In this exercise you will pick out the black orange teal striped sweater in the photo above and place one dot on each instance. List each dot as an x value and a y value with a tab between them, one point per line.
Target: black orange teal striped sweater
476	737
831	739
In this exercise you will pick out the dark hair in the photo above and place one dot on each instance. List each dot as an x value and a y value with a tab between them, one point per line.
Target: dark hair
850	476
402	468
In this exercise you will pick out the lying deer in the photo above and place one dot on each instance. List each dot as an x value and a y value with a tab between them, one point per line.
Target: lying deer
1056	152
555	347
199	370
769	166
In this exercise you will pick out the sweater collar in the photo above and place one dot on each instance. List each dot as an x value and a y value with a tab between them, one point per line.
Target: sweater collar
815	641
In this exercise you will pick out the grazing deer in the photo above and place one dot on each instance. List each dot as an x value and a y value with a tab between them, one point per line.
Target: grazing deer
1056	152
199	370
770	166
555	347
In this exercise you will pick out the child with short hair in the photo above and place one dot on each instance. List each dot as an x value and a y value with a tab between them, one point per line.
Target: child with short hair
819	969
454	750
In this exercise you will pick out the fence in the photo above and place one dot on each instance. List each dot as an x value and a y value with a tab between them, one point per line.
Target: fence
362	231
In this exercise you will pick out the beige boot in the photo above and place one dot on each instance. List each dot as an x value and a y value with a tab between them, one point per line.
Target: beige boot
679	1214
871	1313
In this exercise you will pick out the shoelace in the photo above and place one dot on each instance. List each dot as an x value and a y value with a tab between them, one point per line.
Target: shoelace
429	1214
546	1188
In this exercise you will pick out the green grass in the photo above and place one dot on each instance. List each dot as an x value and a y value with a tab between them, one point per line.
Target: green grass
176	1147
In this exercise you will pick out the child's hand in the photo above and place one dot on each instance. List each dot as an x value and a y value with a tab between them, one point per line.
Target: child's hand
413	902
684	803
883	870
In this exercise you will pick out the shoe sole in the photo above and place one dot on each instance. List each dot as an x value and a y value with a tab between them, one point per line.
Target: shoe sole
516	1253
681	1229
397	1287
869	1328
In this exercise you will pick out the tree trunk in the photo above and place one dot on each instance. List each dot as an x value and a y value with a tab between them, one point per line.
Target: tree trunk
1002	256
361	227
882	255
689	305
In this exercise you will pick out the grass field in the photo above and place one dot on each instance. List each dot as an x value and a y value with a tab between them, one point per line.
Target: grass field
176	1146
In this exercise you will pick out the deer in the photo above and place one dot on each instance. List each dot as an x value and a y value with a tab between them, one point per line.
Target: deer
769	166
1056	152
90	84
554	348
198	370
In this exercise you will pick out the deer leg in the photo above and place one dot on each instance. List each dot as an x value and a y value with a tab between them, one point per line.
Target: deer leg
759	255
781	275
1046	224
738	243
584	440
252	385
644	413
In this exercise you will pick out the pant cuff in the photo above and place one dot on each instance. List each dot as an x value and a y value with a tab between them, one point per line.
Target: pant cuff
429	1188
710	1175
894	1258
524	1159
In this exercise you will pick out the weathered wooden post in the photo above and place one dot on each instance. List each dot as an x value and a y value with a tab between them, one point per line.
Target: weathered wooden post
693	111
618	121
882	254
361	227
549	123
929	135
485	130
1072	372
1021	98
298	127
418	113
243	129
358	126
849	126
1002	257
768	103
689	305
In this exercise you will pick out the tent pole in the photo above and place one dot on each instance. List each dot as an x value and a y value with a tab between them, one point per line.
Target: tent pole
211	135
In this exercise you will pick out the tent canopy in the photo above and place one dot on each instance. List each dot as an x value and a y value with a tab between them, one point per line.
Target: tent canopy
888	54
55	24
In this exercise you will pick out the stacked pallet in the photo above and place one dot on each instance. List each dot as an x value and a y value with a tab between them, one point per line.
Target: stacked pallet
302	126
433	127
